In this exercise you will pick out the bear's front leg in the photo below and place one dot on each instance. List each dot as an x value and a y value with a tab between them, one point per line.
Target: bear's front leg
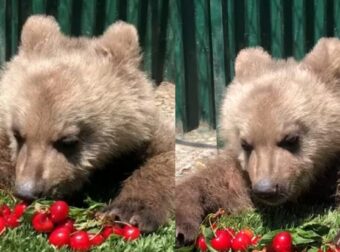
146	197
220	185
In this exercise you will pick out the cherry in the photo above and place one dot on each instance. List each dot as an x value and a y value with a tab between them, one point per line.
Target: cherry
60	237
117	230
4	210
201	244
2	225
248	232
130	233
241	242
255	240
282	242
107	231
230	231
96	239
59	211
80	241
19	209
221	241
42	222
11	221
68	223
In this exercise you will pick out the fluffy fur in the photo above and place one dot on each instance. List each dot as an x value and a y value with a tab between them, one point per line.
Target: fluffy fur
72	106
280	121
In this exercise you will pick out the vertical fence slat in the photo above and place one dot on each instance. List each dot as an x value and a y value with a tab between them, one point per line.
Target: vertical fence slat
88	17
277	28
217	42
133	12
190	65
147	63
38	6
204	81
337	18
3	32
111	11
320	19
65	15
231	38
299	26
14	26
174	58
253	28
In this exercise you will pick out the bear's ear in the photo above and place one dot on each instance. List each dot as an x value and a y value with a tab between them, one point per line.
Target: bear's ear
251	62
324	59
37	32
120	43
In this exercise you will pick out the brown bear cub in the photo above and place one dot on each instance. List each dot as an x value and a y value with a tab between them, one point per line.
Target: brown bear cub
281	125
72	106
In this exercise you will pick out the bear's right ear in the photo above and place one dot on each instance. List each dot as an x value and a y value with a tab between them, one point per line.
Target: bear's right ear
120	43
324	58
37	31
251	62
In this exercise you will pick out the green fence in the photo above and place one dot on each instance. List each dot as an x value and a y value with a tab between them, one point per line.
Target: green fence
91	17
214	31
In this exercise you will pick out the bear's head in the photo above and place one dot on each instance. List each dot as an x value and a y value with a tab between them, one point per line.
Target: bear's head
282	119
71	104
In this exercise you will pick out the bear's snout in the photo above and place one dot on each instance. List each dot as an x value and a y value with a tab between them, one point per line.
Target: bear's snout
27	190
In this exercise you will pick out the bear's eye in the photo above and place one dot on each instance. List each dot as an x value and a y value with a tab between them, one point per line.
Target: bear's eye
67	145
246	146
18	138
290	143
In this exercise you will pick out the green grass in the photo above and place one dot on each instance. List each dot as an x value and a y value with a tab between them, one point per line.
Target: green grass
24	238
313	226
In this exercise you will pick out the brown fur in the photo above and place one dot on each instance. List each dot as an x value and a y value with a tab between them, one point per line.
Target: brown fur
281	122
74	105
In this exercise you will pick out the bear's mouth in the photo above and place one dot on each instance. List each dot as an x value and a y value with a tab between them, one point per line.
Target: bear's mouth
271	199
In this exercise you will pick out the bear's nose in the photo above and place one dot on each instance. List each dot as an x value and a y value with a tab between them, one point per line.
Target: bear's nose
265	188
27	191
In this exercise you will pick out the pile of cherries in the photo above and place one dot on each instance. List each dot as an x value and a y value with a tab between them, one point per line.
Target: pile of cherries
226	239
56	222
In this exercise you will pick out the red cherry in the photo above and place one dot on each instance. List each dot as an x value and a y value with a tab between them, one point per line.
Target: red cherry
11	221
68	223
42	223
255	240
248	232
96	239
107	231
80	241
221	241
230	231
19	209
117	230
201	244
282	242
4	210
131	233
60	237
2	225
59	211
241	242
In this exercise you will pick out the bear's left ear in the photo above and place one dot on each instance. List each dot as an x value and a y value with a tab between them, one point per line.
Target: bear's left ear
120	43
38	32
251	62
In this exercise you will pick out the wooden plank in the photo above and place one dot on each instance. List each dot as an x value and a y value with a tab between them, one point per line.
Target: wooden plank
277	28
3	32
299	27
64	15
38	6
252	22
88	17
320	24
